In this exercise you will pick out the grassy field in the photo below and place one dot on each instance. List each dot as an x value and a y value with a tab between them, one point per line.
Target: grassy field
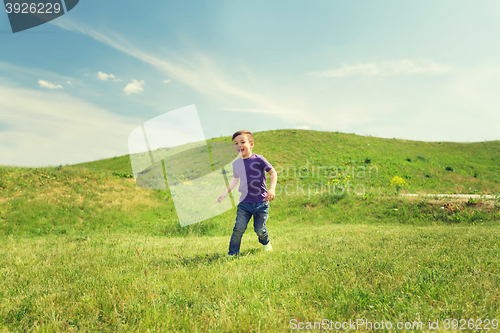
128	282
82	248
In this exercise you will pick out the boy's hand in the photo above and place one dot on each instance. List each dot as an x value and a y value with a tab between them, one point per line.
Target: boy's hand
222	196
270	195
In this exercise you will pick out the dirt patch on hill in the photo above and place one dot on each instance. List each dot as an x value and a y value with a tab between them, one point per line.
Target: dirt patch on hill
457	202
454	196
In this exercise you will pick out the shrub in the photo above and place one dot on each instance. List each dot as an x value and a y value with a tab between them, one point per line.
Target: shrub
422	158
472	202
398	182
123	174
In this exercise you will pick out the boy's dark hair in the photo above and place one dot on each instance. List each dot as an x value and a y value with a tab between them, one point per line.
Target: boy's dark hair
247	133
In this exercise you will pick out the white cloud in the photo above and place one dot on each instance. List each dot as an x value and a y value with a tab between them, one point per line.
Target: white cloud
69	83
399	67
202	76
408	90
166	81
253	110
134	87
305	127
104	77
52	128
49	85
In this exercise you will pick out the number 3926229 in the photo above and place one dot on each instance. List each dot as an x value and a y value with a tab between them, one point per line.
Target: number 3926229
33	8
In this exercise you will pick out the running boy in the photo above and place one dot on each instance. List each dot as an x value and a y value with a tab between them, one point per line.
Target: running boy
249	171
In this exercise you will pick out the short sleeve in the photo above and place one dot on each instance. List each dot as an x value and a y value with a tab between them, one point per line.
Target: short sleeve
235	172
267	166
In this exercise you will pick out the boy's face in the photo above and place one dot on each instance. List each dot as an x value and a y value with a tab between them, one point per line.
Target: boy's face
243	146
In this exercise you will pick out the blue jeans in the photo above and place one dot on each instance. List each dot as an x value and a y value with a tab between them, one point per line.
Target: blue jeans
260	211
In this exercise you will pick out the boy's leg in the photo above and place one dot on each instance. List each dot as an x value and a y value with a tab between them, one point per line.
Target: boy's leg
243	215
259	221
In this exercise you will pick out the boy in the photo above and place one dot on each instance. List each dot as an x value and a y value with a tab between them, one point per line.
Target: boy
255	197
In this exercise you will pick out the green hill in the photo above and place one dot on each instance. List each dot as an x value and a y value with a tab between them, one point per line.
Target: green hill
431	167
82	248
340	175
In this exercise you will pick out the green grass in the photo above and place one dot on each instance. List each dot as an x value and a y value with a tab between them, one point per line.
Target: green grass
128	282
476	166
82	248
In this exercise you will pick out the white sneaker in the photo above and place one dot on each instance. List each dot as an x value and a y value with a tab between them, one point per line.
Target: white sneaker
268	247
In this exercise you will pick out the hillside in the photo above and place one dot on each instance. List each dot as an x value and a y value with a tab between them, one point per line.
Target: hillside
337	175
82	248
431	167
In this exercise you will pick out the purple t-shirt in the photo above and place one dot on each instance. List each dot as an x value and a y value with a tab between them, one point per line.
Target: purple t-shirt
252	174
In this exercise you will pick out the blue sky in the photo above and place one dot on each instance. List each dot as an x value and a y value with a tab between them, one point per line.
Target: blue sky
74	89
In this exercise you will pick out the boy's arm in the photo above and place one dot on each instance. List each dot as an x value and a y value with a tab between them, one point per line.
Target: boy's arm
272	187
232	184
